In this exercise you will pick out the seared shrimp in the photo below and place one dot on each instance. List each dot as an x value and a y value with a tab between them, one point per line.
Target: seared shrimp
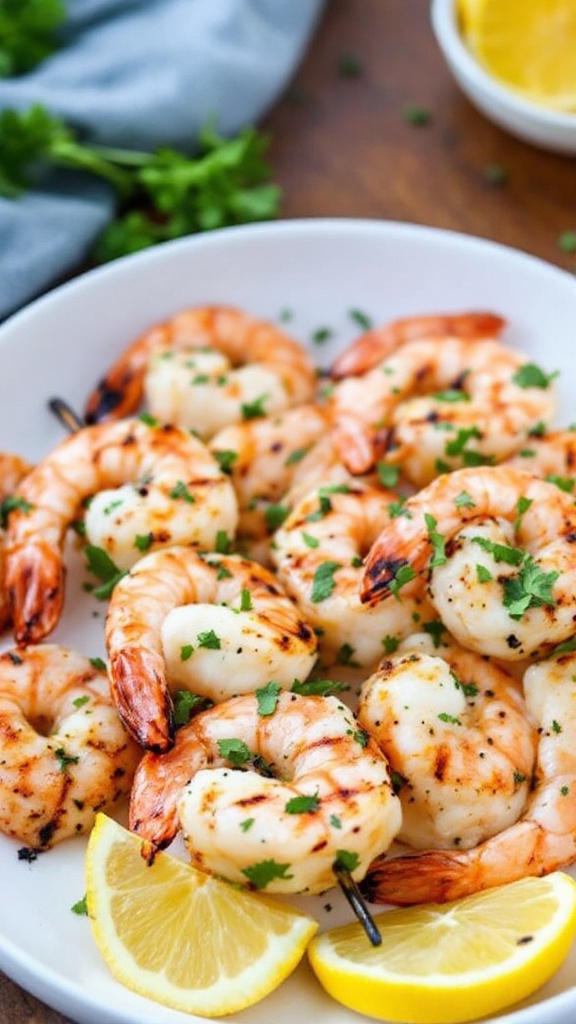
206	368
454	729
436	405
168	490
498	547
270	798
318	554
379	342
544	837
12	470
551	456
214	625
64	754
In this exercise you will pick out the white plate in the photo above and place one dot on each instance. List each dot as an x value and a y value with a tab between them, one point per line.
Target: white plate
320	270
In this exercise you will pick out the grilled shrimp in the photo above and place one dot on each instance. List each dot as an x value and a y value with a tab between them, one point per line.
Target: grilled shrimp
205	368
12	470
214	625
168	489
318	554
374	345
438	404
499	549
64	754
454	730
270	797
544	837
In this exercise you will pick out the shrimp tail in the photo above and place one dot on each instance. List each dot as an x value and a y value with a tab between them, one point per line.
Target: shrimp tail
116	396
142	698
430	877
36	596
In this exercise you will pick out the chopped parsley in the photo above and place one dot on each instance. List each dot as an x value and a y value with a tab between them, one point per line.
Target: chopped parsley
324	583
530	588
265	871
180	490
267	698
303	804
226	459
10	504
252	410
100	564
209	640
531	376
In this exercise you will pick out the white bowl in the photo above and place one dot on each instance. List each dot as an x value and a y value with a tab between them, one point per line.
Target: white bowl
60	345
538	125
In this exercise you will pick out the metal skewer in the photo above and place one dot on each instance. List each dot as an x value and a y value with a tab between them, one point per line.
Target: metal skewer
65	415
356	901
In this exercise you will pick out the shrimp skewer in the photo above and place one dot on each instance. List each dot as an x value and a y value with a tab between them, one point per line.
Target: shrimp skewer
326	790
166	489
497	548
214	625
454	729
64	753
205	368
541	841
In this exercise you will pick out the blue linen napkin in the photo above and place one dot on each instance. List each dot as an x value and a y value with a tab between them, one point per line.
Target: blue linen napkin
139	74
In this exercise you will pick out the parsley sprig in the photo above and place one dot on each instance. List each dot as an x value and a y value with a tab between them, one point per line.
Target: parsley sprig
162	195
27	33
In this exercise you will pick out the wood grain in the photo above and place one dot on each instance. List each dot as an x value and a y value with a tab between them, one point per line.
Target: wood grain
343	146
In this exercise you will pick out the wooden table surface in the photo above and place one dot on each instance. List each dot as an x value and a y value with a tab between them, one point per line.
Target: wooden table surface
344	144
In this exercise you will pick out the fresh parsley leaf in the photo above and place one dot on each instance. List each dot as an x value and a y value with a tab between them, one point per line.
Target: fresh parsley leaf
324	583
267	698
531	376
265	871
100	564
530	588
303	804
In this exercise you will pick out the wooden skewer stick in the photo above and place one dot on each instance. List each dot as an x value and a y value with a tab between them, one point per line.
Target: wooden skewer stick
356	901
67	417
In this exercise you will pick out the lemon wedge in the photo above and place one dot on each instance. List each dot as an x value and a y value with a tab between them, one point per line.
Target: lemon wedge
528	45
440	964
182	938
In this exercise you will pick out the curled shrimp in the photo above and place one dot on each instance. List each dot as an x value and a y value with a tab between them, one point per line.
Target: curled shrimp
168	489
497	548
318	554
438	404
205	368
325	791
454	730
379	342
544	837
12	471
213	625
64	754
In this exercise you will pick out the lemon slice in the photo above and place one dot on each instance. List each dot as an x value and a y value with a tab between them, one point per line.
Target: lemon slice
452	962
528	45
182	938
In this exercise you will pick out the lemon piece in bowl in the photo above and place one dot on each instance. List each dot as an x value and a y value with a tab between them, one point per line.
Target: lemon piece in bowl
183	938
453	962
527	45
